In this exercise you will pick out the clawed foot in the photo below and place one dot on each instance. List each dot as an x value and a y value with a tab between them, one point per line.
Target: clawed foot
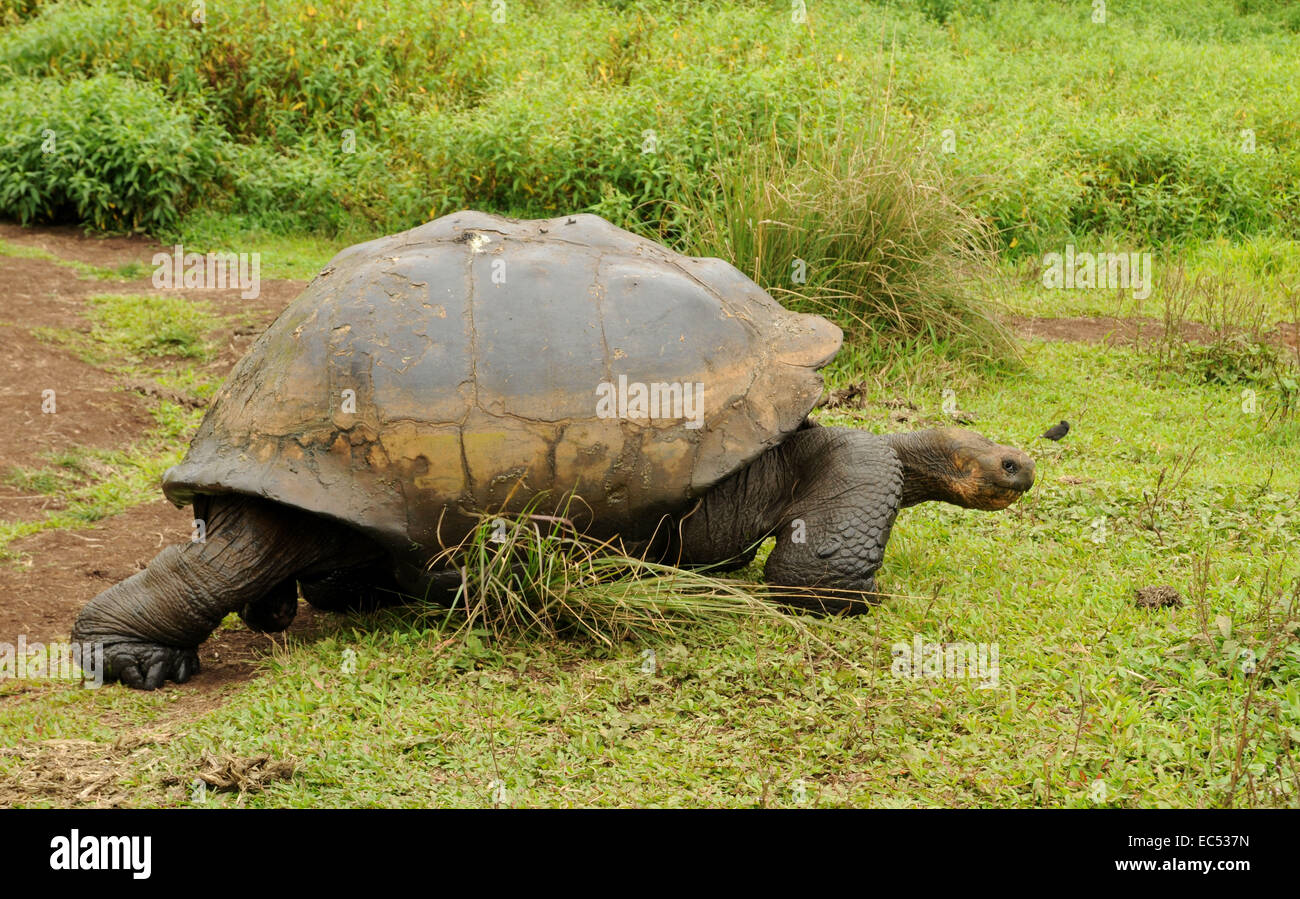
147	666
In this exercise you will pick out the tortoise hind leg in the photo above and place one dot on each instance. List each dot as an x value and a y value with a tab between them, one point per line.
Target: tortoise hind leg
275	611
358	588
151	624
351	588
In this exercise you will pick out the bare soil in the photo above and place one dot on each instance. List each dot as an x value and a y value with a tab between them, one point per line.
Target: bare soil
1117	331
58	571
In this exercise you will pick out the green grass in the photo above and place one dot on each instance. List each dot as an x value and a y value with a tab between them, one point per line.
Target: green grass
149	325
1258	278
858	226
143	335
744	711
15	251
283	256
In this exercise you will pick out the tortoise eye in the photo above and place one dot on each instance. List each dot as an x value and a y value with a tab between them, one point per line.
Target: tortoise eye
1010	467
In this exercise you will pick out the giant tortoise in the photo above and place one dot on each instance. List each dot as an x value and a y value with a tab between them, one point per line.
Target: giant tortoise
483	365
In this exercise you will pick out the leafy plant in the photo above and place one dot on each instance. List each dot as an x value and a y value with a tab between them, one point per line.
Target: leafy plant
106	151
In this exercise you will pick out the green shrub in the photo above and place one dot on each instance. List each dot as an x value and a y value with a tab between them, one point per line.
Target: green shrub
100	37
1072	128
313	186
105	151
626	153
1167	186
13	12
266	69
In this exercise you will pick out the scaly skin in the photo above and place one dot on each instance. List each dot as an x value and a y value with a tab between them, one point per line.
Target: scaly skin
152	623
830	496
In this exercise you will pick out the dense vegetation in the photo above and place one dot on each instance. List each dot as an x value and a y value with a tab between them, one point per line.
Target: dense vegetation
1027	122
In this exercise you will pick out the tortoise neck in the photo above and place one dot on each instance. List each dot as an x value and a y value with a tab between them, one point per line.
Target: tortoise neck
927	467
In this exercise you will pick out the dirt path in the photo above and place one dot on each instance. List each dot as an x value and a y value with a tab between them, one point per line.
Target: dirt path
1114	331
59	570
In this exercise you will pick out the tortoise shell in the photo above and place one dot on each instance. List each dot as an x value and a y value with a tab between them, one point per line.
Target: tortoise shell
476	364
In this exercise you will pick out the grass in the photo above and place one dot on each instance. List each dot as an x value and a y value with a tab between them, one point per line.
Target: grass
1265	270
144	335
283	256
535	576
151	325
387	710
128	271
861	228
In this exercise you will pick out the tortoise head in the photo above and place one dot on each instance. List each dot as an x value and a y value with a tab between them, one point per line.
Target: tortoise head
961	467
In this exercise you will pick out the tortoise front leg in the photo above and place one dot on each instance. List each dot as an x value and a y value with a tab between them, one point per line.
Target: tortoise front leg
828	495
833	533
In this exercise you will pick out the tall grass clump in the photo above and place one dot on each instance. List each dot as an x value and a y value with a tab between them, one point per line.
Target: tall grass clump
859	224
536	575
